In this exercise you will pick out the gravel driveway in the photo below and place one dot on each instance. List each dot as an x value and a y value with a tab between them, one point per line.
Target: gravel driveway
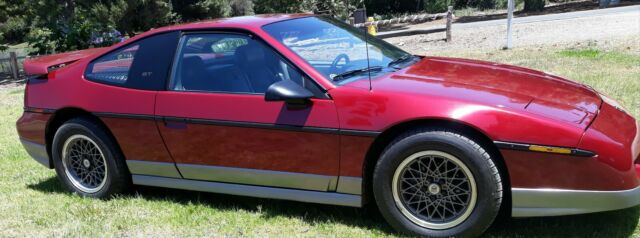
598	29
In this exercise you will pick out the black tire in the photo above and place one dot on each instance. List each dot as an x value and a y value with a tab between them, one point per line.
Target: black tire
476	159
117	179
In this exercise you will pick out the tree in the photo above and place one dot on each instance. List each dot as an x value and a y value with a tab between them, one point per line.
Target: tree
3	46
241	7
63	25
339	8
13	23
142	15
277	6
192	10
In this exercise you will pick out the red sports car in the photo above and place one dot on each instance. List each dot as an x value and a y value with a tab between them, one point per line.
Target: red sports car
308	108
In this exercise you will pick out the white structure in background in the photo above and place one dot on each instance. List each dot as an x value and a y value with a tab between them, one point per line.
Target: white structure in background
510	6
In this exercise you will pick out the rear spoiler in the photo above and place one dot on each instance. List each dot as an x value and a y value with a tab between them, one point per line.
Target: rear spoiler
42	65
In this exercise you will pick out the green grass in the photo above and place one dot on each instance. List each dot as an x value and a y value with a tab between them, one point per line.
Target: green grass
33	202
581	53
613	72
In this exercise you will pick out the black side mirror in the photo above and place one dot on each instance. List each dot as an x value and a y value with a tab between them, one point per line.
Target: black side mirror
289	92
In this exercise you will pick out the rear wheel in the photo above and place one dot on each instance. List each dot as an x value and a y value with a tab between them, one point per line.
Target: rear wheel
87	160
437	183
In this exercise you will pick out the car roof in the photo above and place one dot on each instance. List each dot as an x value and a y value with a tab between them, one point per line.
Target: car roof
243	22
250	23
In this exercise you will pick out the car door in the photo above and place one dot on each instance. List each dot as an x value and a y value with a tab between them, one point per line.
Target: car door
218	126
121	89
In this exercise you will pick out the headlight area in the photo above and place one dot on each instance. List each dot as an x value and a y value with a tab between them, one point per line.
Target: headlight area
614	137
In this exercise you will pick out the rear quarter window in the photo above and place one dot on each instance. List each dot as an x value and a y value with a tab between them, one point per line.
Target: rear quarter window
143	64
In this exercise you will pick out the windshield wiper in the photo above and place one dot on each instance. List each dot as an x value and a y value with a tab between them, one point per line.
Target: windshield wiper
354	72
400	60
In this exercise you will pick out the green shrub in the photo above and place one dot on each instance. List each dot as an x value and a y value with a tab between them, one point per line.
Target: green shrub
3	46
436	6
534	5
14	29
480	4
277	6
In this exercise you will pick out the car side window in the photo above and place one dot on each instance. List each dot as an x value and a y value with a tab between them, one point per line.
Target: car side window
143	64
233	63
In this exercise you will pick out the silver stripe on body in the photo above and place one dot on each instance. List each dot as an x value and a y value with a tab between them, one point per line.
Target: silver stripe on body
559	202
350	185
258	177
163	169
252	191
342	184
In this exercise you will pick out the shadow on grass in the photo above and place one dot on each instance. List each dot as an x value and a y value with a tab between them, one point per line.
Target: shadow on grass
367	218
7	79
620	223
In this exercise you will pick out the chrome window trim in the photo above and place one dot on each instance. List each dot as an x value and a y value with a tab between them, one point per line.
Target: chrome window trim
558	202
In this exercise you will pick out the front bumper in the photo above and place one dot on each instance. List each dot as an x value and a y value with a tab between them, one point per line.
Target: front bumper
557	202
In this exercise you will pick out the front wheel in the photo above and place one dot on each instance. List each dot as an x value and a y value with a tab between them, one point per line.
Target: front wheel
437	183
87	160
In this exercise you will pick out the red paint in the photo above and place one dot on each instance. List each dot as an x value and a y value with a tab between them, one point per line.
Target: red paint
40	65
31	126
252	148
500	113
270	149
506	103
544	170
138	139
615	136
353	151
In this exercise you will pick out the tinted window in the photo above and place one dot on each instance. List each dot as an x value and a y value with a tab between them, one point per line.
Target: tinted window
143	64
333	47
233	63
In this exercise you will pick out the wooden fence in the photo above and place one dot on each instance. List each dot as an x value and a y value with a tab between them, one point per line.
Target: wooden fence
11	64
413	19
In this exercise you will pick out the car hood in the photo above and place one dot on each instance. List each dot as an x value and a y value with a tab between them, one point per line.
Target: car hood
502	85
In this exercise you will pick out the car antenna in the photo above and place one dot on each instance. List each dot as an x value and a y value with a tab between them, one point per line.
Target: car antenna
366	44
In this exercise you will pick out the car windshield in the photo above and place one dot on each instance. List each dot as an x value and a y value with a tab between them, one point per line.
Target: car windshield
336	49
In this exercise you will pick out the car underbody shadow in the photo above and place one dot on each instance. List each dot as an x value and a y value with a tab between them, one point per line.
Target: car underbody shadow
620	223
310	213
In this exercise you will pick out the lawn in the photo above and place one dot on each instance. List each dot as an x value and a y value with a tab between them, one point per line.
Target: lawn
33	202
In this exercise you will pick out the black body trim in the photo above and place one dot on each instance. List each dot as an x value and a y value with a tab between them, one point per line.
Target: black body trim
39	110
525	147
348	132
345	132
240	124
124	116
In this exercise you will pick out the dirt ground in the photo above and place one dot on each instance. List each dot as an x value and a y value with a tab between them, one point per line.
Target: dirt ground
597	30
